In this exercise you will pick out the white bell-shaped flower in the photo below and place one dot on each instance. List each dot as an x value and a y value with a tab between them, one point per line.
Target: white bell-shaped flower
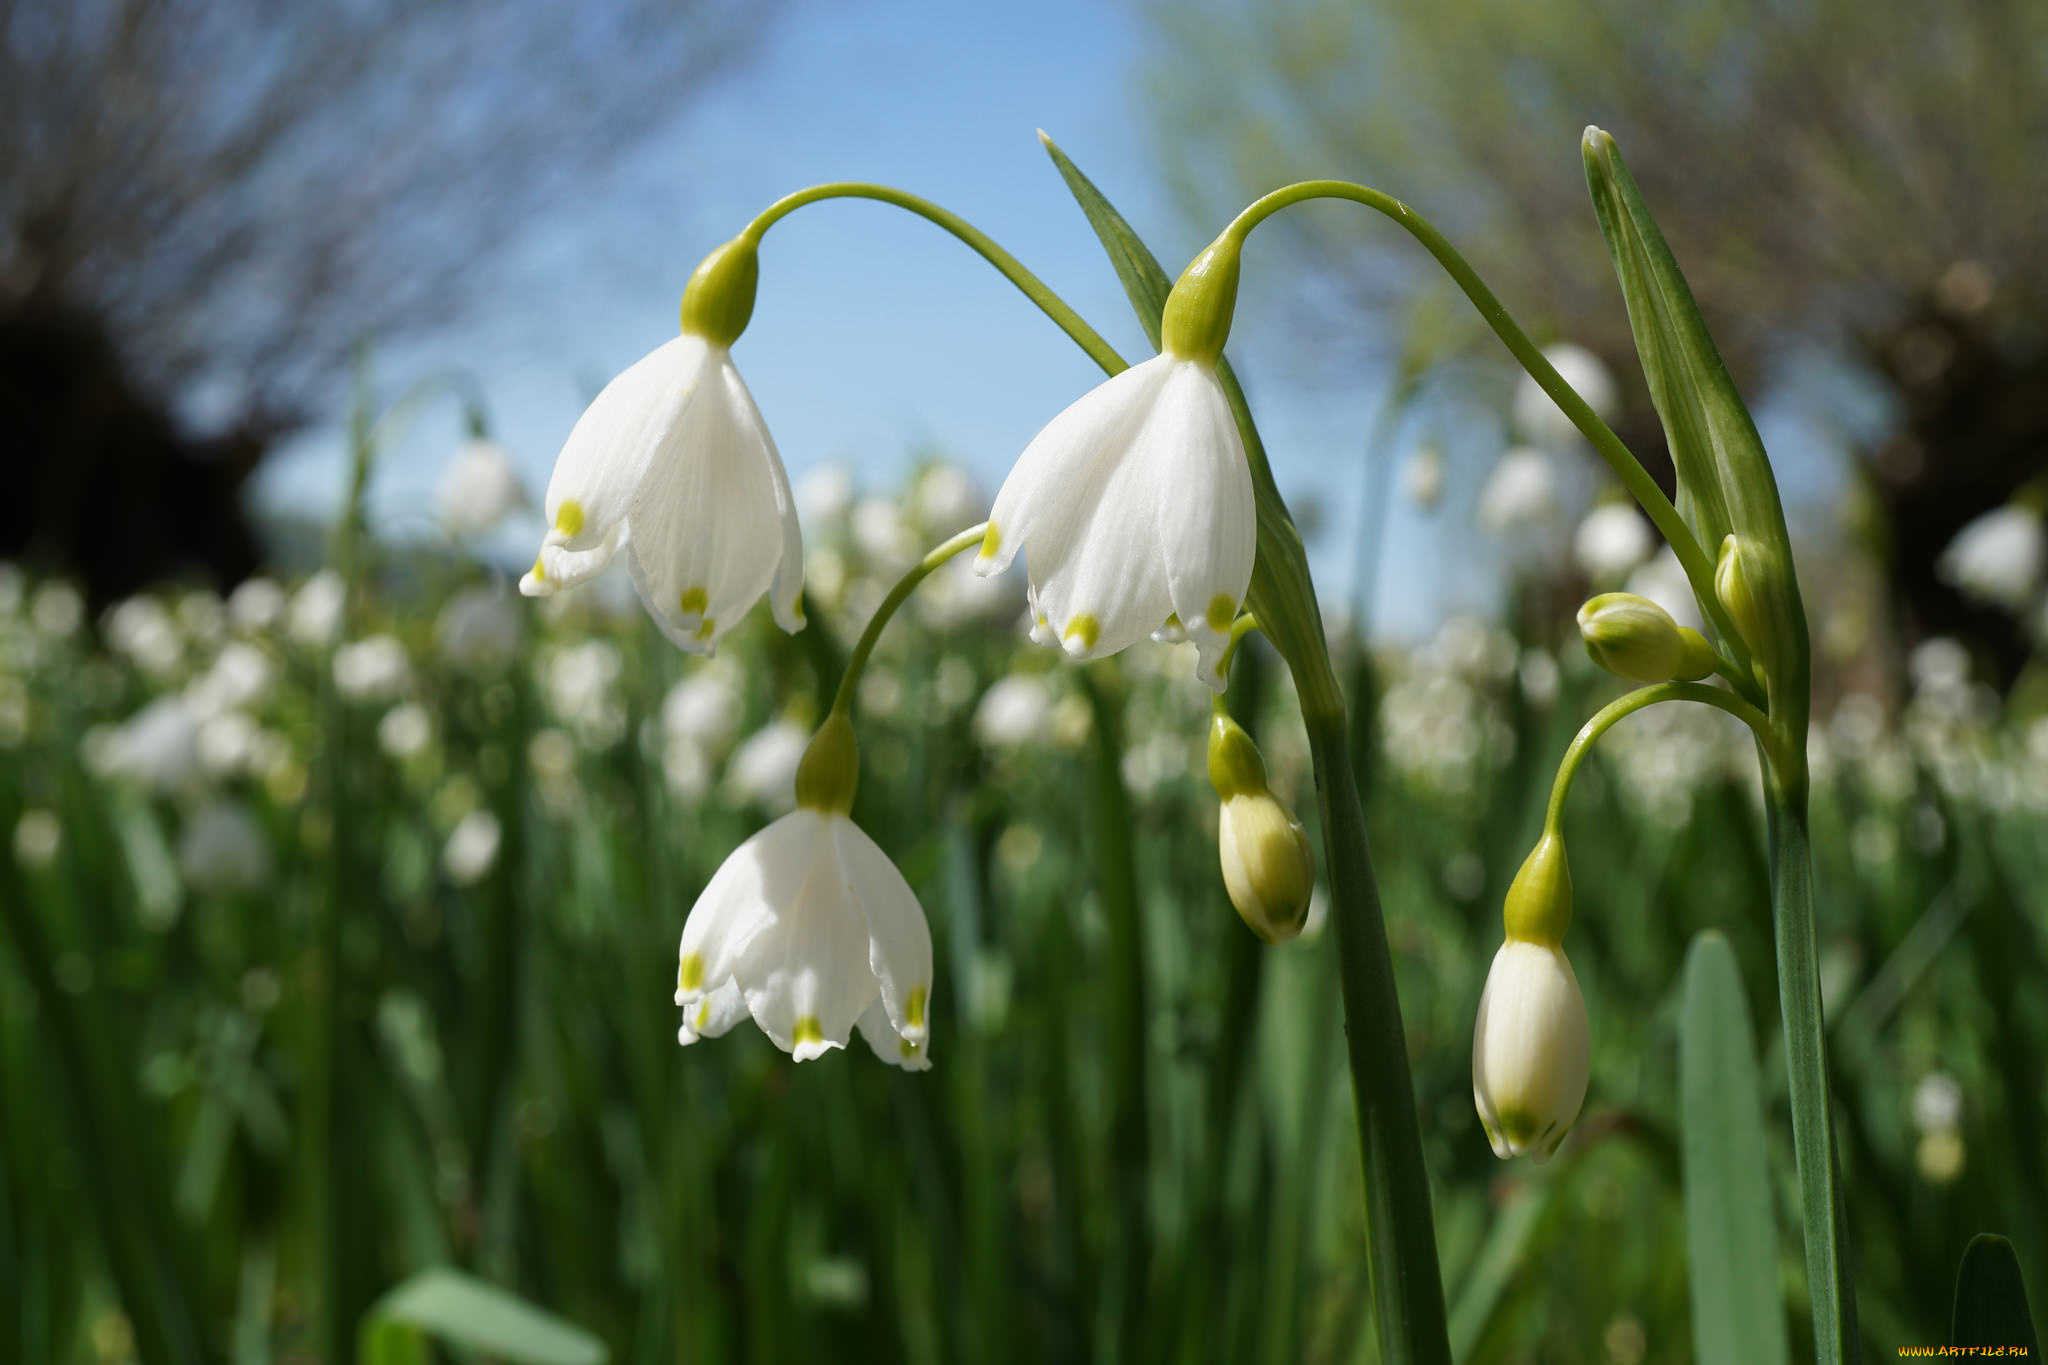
809	928
2000	557
1530	1050
673	463
1132	507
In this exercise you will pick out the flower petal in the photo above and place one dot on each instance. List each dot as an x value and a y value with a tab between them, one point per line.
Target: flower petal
708	521
616	441
1208	521
714	1014
806	974
899	940
745	897
887	1044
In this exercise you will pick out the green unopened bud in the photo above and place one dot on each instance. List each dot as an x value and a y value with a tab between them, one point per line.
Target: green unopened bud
1539	901
1196	320
719	299
1634	638
830	770
1268	866
1734	584
1235	767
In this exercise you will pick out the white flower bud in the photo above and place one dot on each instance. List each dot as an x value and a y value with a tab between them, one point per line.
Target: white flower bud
1268	866
1530	1050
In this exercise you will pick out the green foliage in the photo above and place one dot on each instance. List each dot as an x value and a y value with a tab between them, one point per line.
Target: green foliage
461	1310
1991	1299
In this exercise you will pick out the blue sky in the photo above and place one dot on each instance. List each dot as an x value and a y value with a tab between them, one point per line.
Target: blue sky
876	337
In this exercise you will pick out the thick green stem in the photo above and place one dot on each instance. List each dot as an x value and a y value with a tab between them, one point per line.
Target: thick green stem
1826	1221
842	700
1407	1284
1699	569
1032	287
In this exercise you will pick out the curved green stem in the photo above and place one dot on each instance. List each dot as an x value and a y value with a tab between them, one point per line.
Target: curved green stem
1605	718
842	700
1699	569
1033	288
1241	627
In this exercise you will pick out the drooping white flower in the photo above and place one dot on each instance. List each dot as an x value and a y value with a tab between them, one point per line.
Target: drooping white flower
374	668
702	708
256	604
809	928
157	746
673	462
1537	415
1531	1050
763	768
472	848
142	631
1611	542
241	675
227	744
479	488
1521	490
405	731
2000	557
1132	506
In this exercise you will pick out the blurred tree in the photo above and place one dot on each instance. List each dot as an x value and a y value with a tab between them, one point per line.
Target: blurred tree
1861	177
205	203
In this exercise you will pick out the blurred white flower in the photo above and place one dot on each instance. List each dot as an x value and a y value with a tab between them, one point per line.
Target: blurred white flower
314	618
256	604
703	708
811	929
1663	581
58	610
157	746
223	848
1422	476
1612	541
479	628
37	837
227	744
1939	665
1132	506
241	675
957	596
686	769
1014	712
579	682
882	535
1537	415
1531	1050
824	494
1937	1102
202	617
479	488
763	768
472	848
946	500
673	463
1539	677
374	668
1998	558
1521	490
141	630
405	731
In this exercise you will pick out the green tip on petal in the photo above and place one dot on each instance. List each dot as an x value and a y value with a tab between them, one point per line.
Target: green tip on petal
569	517
808	1030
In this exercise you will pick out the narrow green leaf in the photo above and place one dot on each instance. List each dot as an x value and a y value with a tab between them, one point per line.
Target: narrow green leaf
1731	1232
464	1311
1144	280
1991	1299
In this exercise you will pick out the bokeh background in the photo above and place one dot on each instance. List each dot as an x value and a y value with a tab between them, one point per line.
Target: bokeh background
340	884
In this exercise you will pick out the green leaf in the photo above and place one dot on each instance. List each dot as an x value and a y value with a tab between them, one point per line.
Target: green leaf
1991	1299
1731	1232
464	1311
1144	279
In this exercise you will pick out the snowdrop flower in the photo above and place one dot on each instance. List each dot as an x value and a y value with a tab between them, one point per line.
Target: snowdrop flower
157	746
472	848
957	596
256	604
371	669
673	463
1422	476
314	618
223	848
1611	542
809	928
479	488
1999	557
1135	504
1014	712
763	769
1522	489
1537	415
580	685
478	629
1937	1102
405	731
141	630
702	709
227	744
1531	1045
945	499
241	675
